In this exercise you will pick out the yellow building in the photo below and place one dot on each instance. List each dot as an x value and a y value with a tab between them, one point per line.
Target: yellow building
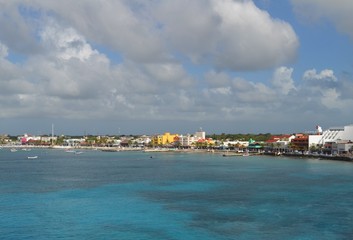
164	139
156	140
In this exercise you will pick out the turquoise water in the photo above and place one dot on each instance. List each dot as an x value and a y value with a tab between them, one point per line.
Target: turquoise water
128	195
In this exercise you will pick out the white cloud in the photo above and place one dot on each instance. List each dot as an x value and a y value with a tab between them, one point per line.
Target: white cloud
282	80
3	51
326	74
253	93
115	24
250	39
168	73
221	90
338	11
66	43
320	82
67	70
228	34
331	99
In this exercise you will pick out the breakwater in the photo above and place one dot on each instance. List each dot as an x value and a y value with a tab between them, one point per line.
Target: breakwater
321	156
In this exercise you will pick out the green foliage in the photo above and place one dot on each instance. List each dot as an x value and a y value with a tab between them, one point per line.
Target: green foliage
241	137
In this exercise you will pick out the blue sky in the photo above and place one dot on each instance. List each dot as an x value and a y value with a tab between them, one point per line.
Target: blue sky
147	67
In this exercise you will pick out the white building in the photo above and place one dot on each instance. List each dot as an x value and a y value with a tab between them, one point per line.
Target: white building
143	140
74	141
200	135
340	147
188	139
332	135
235	143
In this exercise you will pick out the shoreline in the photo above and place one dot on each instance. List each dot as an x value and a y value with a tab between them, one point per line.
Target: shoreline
321	157
224	153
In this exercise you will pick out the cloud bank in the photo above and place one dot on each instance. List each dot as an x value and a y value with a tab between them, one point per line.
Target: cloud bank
138	60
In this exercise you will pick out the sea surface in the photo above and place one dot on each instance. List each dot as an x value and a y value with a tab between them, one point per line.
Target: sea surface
137	195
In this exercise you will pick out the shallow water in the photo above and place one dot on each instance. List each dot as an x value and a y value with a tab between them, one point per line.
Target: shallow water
128	195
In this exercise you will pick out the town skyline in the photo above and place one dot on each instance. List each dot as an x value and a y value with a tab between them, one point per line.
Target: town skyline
144	67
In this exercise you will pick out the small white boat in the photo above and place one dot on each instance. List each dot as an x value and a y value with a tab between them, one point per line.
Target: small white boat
13	150
32	157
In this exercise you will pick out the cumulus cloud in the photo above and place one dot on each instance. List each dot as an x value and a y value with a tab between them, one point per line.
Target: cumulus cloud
323	91
339	12
173	66
228	34
326	74
66	43
322	80
242	25
116	24
282	80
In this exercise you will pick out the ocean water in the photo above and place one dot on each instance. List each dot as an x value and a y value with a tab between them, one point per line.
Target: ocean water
136	195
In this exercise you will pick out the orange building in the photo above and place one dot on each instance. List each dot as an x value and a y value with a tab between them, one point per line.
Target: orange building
300	142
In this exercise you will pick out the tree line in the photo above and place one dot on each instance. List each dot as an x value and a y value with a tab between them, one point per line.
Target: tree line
261	137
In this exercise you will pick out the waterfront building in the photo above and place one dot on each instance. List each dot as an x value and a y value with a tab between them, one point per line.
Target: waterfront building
342	147
237	145
279	143
73	142
254	146
156	140
189	140
4	138
300	142
36	140
48	139
164	139
331	137
186	140
200	134
142	140
204	143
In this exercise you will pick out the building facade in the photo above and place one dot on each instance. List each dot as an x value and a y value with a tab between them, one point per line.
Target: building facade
166	138
331	138
300	142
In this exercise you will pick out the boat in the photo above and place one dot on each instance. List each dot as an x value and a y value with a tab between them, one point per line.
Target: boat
32	157
232	154
13	150
246	154
157	150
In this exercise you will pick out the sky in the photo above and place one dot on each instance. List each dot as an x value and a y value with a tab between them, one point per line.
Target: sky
149	67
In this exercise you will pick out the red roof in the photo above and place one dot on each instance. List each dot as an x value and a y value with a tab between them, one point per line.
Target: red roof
277	138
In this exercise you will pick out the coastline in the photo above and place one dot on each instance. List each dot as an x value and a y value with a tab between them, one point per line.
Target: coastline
321	156
224	153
